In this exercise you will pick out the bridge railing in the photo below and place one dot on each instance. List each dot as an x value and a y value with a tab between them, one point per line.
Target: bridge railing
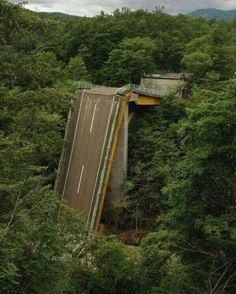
83	85
140	89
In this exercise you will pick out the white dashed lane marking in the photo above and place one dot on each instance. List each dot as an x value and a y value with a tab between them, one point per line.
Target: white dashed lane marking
92	122
80	180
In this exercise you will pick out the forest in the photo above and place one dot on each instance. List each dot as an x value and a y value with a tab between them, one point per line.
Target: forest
181	185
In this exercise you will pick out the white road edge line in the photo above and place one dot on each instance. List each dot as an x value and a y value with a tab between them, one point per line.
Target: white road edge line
94	111
80	179
73	144
100	162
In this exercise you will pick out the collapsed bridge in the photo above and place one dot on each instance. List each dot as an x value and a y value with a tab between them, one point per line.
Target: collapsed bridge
95	153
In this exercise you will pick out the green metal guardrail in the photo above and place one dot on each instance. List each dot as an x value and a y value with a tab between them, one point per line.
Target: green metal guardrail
139	89
83	85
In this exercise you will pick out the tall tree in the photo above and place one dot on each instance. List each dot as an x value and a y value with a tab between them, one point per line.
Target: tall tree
130	61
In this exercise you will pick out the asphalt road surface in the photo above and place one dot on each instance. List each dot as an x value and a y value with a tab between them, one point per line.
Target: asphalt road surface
87	139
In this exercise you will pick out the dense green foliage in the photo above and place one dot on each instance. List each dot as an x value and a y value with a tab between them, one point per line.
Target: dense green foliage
181	184
187	177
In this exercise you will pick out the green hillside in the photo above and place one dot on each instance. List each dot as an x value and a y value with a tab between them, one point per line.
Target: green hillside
211	13
58	16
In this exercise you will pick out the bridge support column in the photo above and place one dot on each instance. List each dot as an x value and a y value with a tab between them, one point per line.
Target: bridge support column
119	168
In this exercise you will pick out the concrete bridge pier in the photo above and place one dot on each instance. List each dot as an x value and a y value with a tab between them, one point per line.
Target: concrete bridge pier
115	194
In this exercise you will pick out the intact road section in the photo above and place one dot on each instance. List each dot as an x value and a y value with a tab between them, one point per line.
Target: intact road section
87	139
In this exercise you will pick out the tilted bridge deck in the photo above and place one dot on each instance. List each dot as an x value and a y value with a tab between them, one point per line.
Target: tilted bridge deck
93	129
